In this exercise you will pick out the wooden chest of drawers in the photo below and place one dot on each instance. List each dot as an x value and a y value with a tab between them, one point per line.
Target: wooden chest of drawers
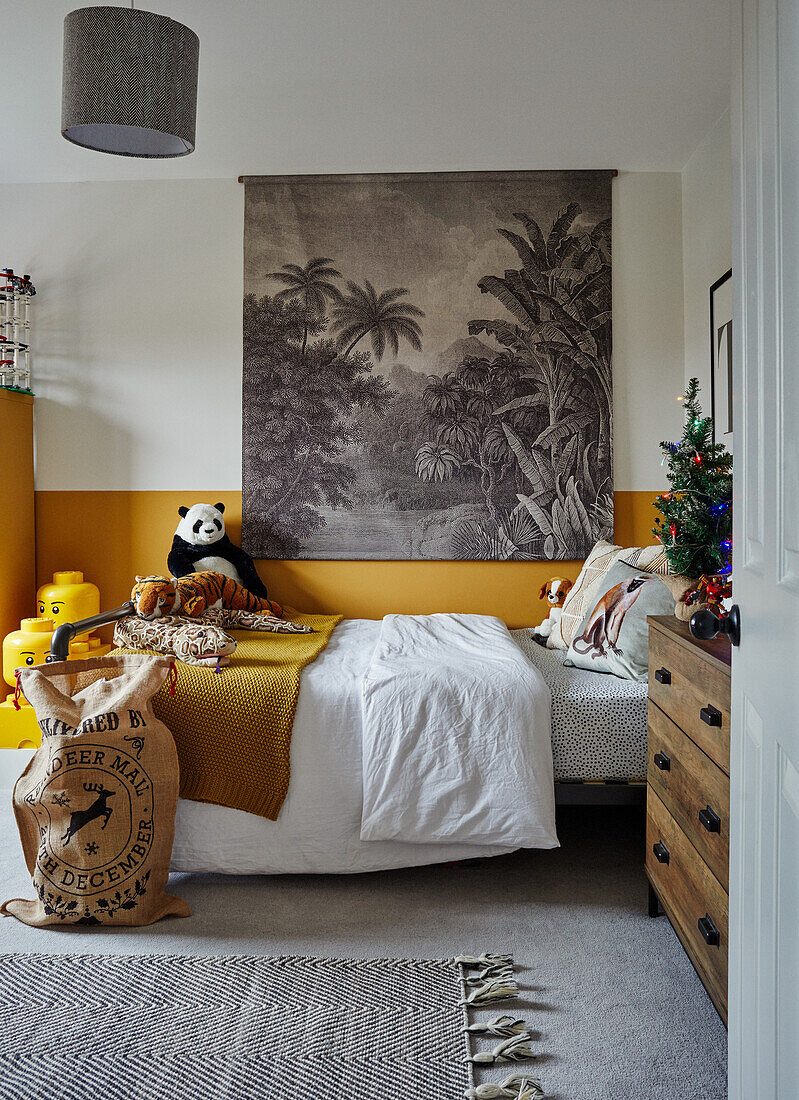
688	794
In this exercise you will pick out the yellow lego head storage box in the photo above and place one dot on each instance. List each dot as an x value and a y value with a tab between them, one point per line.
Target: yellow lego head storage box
27	646
69	598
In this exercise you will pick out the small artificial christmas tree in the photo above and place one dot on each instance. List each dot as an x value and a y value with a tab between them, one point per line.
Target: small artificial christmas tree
696	522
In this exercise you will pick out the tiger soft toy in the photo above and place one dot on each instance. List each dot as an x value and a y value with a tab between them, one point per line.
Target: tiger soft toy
154	597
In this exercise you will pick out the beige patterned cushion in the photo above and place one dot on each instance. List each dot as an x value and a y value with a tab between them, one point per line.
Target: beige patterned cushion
580	596
649	559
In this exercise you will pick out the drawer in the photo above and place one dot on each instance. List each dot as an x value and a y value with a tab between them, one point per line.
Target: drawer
690	894
693	693
694	790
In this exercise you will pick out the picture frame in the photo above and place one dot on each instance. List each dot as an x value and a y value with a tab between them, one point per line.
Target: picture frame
721	360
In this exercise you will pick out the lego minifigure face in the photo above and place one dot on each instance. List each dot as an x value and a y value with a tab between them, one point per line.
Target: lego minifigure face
23	649
52	609
69	598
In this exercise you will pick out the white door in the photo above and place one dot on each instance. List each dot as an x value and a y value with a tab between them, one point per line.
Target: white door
764	878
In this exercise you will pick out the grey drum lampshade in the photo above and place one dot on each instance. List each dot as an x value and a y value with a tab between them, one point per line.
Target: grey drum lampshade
130	82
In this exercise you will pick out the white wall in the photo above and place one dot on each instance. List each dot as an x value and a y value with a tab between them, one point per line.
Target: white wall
707	243
137	328
647	323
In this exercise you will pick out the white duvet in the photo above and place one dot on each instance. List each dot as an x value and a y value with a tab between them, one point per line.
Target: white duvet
320	825
456	736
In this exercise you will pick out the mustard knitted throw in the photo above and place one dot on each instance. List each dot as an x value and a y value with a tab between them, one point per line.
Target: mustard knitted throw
233	729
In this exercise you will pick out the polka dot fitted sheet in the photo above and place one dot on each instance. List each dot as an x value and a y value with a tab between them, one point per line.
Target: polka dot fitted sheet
598	720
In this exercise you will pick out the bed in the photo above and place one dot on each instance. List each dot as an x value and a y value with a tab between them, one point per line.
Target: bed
598	720
598	732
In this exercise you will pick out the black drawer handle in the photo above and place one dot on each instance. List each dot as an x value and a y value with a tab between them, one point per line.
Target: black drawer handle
661	852
662	761
709	930
710	715
662	675
710	819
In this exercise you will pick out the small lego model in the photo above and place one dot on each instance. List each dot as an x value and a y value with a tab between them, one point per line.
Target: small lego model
27	646
16	292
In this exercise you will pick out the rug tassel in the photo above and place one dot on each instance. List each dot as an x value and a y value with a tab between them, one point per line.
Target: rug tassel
495	989
515	1048
474	962
517	1087
498	970
501	1026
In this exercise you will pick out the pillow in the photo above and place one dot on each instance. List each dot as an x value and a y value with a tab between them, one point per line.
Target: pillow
580	596
614	636
649	559
652	559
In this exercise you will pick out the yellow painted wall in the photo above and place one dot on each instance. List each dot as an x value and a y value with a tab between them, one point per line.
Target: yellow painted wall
112	536
17	576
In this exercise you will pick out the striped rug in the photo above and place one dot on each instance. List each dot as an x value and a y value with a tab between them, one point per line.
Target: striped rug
165	1027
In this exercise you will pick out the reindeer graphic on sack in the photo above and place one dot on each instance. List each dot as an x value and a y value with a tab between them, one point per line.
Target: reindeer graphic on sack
96	805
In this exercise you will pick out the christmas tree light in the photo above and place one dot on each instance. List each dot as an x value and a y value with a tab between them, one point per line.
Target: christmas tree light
696	523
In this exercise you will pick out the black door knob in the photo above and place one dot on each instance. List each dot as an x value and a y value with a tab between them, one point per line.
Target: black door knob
707	624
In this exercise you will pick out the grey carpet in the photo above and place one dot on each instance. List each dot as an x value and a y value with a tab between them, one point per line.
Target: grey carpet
239	1027
620	1012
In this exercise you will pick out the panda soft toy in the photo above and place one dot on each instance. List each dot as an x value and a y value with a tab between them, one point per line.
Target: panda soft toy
200	544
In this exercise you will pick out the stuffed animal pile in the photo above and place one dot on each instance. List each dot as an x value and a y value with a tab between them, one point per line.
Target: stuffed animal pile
214	586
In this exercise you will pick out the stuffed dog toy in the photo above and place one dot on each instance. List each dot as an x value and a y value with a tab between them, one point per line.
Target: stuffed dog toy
554	591
604	626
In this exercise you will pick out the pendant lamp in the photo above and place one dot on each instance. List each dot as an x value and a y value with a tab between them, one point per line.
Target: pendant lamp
130	82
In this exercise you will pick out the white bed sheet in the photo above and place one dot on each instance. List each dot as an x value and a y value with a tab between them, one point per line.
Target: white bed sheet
598	720
318	830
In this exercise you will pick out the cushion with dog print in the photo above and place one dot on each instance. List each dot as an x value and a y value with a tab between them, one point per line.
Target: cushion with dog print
614	635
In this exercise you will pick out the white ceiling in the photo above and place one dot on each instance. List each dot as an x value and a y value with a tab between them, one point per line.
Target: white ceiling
399	85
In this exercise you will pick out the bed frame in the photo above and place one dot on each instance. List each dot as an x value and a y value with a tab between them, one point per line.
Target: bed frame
600	792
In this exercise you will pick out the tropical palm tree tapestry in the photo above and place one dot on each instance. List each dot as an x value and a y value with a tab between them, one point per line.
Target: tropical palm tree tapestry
427	366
